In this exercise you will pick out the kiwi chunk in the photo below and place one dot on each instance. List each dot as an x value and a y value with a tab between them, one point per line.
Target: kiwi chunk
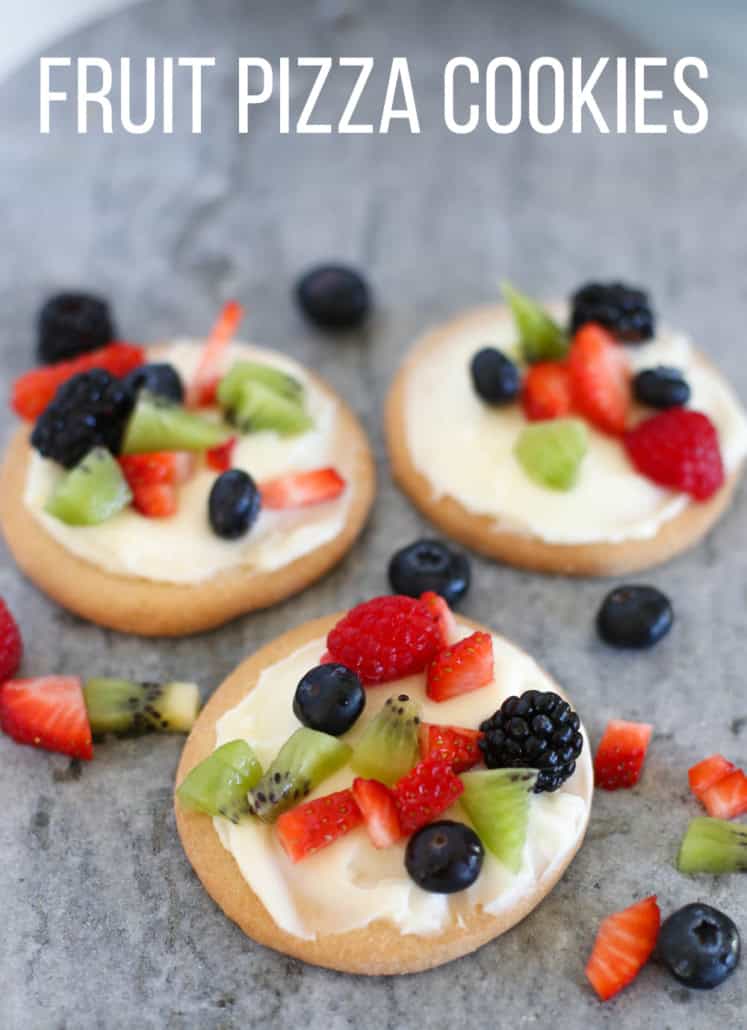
305	759
540	337
229	388
497	803
157	424
91	492
713	846
388	747
259	407
551	452
123	707
219	785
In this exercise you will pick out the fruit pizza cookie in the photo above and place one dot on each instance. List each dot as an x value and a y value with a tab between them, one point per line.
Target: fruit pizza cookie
166	491
385	790
602	449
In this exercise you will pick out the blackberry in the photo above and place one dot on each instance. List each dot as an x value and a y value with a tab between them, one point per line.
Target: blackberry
538	730
73	323
89	410
623	310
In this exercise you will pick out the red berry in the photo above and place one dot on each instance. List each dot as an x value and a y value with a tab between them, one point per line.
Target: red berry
379	811
385	639
466	666
546	392
424	793
315	824
623	945
33	391
11	645
202	389
621	754
706	773
300	489
727	797
443	615
220	458
155	500
600	379
48	712
678	449
453	744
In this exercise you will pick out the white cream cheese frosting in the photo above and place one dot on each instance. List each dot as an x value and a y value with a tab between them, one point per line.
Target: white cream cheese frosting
350	883
183	548
465	449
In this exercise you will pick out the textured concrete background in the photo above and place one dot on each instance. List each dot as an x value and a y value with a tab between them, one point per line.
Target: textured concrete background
105	924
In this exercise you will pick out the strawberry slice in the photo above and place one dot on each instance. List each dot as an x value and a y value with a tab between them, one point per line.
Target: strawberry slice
316	824
727	797
202	389
546	392
600	379
33	391
453	744
156	467
623	946
379	811
155	500
443	615
424	793
221	457
708	772
300	489
621	754
48	712
465	666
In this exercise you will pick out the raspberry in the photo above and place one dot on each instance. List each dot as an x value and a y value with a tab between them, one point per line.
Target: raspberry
11	645
385	639
678	449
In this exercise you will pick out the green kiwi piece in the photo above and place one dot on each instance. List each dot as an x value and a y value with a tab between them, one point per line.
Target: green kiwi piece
540	337
551	452
713	846
123	707
497	804
157	424
259	407
305	759
91	492
219	785
388	746
229	388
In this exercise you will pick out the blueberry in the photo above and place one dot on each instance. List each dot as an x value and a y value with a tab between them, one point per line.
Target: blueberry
158	378
329	698
430	565
661	387
334	297
634	616
70	324
234	503
494	376
444	857
699	946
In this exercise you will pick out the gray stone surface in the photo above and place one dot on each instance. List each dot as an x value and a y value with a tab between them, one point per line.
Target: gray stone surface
104	923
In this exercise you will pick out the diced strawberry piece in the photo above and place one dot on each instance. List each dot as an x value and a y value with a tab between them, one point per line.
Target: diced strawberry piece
546	392
49	713
220	457
727	798
156	467
379	811
465	666
600	379
453	744
621	754
205	382
33	391
424	793
316	824
155	500
300	489
708	772
678	449
623	946
326	659
11	644
443	615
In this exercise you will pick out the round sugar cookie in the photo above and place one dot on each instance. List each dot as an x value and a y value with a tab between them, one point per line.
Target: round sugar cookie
378	948
483	532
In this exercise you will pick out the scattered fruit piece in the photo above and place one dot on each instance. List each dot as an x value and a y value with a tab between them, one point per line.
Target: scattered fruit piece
157	467
233	504
47	712
678	449
623	946
260	408
158	425
127	708
430	565
727	798
443	615
444	857
329	698
600	379
540	337
621	754
220	458
661	387
551	452
92	492
204	385
453	744
11	644
314	825
713	846
497	803
465	666
699	945
70	324
159	379
546	393
495	377
706	773
376	803
282	383
220	783
155	500
334	296
424	793
634	616
623	310
300	489
388	746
